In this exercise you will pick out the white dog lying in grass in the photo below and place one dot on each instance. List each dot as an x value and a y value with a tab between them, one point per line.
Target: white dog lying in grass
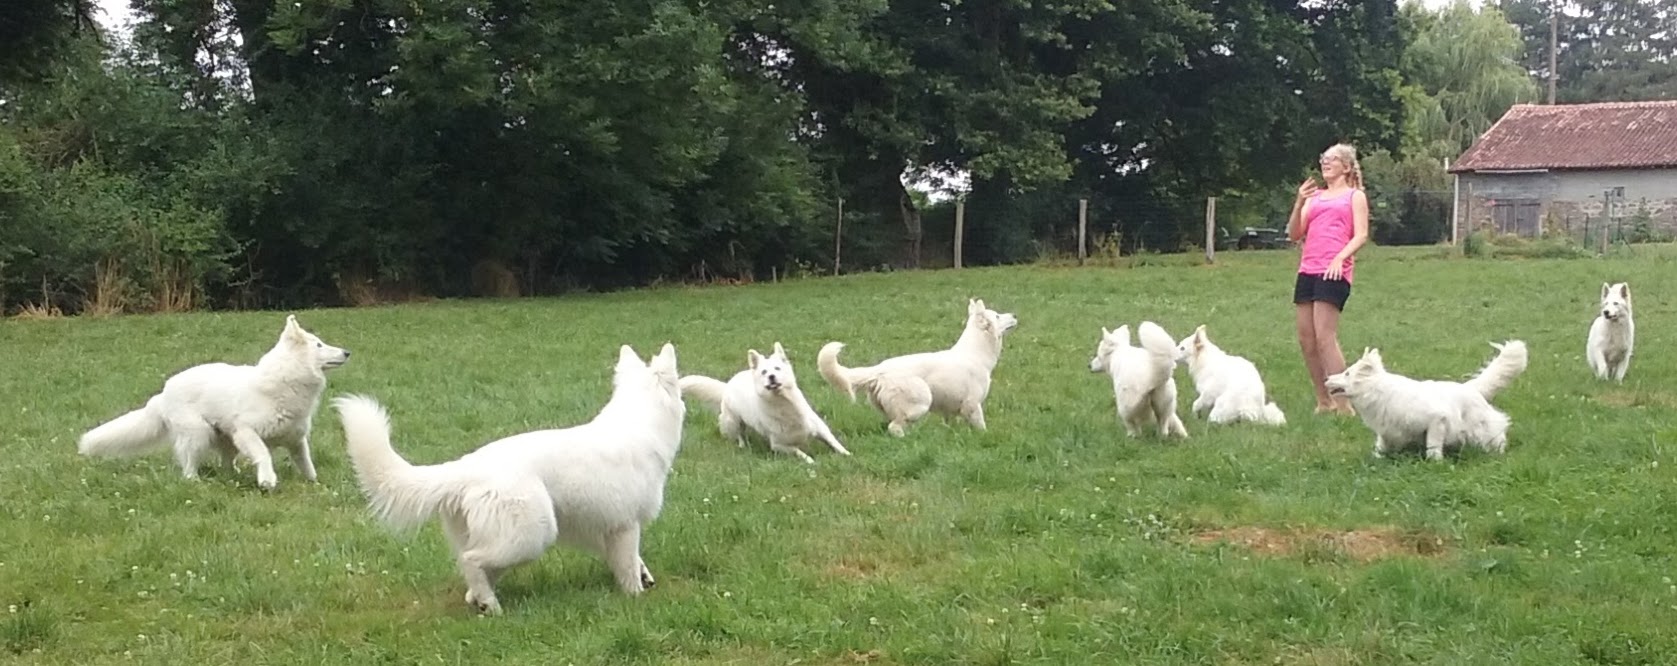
1439	414
765	399
1229	386
1612	337
952	381
593	486
216	408
1143	378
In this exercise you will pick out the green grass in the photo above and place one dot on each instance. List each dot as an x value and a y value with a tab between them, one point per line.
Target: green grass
1050	539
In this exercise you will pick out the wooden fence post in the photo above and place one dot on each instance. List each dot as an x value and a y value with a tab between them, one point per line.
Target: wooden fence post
1082	230
838	237
960	228
1210	230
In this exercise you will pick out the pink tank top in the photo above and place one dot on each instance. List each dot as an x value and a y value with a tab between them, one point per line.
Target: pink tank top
1329	226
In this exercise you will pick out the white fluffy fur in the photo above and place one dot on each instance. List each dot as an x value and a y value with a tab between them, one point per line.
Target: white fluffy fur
765	399
1437	414
1612	337
593	486
953	381
231	410
1143	378
1230	389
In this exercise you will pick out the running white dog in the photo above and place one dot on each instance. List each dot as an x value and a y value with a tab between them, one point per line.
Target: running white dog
1440	414
1143	378
765	399
1612	337
231	409
1229	386
593	486
953	381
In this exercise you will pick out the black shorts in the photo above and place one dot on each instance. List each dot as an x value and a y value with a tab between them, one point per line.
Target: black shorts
1313	287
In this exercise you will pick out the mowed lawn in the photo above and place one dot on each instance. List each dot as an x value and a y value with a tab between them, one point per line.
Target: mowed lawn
1051	538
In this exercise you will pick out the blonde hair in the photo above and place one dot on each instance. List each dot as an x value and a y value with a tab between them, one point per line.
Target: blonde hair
1347	155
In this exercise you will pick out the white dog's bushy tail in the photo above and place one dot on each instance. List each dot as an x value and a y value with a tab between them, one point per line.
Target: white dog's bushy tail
836	375
135	433
1510	361
1157	342
705	389
401	495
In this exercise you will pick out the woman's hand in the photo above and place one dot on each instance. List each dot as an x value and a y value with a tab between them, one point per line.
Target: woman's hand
1307	189
1336	269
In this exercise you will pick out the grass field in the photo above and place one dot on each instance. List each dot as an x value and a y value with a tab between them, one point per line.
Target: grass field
1049	539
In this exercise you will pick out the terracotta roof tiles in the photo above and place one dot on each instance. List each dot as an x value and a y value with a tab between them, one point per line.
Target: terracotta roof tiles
1606	135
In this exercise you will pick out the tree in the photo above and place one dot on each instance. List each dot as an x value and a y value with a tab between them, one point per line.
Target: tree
1609	50
1461	73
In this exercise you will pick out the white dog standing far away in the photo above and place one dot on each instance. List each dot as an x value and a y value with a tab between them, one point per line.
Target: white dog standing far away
1438	414
953	381
1143	378
593	486
1230	389
1612	335
765	399
231	410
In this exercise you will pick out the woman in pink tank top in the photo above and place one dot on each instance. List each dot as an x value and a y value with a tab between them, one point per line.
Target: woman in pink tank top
1333	223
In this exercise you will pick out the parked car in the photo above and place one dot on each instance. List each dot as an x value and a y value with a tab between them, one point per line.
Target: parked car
1255	238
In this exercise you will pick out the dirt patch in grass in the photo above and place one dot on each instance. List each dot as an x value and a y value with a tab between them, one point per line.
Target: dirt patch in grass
1362	545
1622	398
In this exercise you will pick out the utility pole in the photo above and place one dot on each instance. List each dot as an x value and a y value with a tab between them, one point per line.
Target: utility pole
1554	43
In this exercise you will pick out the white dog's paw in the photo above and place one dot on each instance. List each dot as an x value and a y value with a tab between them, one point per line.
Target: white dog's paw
487	606
1435	454
266	479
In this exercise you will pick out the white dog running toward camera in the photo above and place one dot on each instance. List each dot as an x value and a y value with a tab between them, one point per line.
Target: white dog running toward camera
1438	414
952	381
1230	389
765	399
1612	335
230	410
593	486
1143	378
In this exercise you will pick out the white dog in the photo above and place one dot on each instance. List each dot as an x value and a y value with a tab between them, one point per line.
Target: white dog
1440	414
593	486
1143	378
1229	386
1612	335
231	409
765	399
952	381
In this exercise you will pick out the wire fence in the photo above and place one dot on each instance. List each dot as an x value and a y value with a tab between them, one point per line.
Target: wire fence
1023	228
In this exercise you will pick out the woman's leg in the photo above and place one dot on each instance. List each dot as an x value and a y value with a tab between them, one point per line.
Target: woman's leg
1306	321
1329	356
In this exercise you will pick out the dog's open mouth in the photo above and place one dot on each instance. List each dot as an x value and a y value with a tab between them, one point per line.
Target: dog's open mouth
333	364
1335	392
773	386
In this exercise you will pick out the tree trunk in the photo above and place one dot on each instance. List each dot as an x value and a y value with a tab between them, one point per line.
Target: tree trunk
911	224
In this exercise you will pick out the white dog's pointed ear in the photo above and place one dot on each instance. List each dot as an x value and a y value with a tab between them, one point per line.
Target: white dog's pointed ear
1104	332
752	358
665	360
779	350
626	356
1606	289
293	330
1624	290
